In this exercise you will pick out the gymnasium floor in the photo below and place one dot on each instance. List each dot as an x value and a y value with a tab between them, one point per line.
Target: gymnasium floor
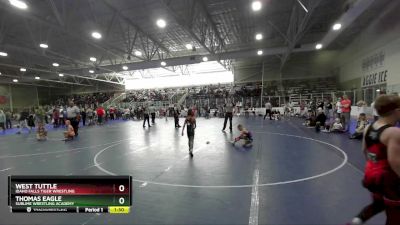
291	175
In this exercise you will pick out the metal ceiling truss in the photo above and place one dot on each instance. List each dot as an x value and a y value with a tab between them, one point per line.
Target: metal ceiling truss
298	25
198	23
148	43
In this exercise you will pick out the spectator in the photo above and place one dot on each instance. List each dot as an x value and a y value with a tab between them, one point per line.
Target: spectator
361	125
320	120
346	108
337	126
100	115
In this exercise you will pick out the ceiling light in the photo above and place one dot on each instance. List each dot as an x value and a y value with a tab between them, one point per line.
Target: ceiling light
138	53
259	52
205	59
60	75
56	64
19	4
91	71
189	46
256	5
3	54
43	45
125	68
37	78
161	23
22	69
0	73
378	90
15	80
259	36
318	46
337	26
163	63
96	35
93	59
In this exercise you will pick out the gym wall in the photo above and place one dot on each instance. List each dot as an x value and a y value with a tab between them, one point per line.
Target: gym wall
376	50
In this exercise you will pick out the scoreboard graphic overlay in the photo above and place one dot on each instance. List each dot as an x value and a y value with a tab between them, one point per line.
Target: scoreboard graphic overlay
70	194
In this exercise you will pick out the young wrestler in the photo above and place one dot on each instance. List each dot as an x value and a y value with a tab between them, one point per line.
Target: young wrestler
245	135
190	122
70	133
41	133
381	146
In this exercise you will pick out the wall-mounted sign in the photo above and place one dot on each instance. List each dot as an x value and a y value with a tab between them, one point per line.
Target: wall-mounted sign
374	78
373	67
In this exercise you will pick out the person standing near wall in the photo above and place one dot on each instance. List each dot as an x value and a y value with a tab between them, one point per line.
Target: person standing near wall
8	120
346	109
3	120
72	115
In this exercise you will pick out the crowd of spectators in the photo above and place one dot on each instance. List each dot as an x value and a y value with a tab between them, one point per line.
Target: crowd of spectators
85	99
150	95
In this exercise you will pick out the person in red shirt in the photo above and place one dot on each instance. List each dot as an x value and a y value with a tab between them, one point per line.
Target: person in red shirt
381	146
100	114
346	108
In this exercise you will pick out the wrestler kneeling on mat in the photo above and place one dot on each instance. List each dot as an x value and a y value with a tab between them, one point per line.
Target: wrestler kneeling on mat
245	135
70	133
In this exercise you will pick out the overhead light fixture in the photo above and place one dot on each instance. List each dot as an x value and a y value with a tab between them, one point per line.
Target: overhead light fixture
138	53
91	71
125	68
3	54
205	59
259	36
0	73
163	63
259	52
161	23
318	46
93	59
22	69
60	75
96	35
43	45
256	5
378	90
337	26
19	4
37	78
189	46
56	64
15	80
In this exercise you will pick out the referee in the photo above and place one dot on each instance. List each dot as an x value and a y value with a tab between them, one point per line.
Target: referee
72	115
228	110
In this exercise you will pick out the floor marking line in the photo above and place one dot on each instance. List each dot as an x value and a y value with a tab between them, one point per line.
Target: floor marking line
6	169
255	199
344	162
